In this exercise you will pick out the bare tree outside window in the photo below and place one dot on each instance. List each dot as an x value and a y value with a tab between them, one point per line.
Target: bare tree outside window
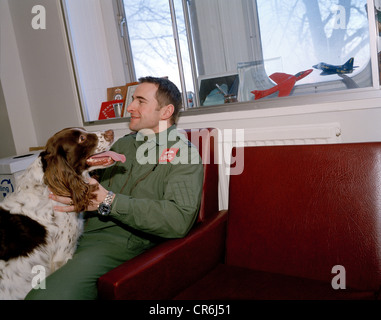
302	33
152	39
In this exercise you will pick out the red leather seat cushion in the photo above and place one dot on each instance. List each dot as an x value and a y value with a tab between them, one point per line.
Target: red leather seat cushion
235	283
301	210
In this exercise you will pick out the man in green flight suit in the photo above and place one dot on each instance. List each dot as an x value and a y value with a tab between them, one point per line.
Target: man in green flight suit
154	195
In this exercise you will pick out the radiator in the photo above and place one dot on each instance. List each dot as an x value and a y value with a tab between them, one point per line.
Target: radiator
325	133
294	135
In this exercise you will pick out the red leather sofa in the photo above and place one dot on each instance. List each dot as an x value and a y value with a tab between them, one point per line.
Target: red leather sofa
303	223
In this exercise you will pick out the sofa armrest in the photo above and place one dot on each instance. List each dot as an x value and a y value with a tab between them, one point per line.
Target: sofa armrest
165	270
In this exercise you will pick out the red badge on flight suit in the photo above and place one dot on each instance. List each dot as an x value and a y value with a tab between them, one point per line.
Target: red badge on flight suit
168	155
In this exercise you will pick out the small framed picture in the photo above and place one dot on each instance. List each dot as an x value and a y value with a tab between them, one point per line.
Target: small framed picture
116	93
130	92
218	89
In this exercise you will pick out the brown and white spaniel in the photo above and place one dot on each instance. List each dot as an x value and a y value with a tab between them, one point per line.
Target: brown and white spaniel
32	235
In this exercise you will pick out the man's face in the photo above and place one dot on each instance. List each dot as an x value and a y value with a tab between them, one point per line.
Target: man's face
144	108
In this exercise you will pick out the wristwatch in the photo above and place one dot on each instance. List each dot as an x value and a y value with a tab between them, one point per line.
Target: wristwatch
104	207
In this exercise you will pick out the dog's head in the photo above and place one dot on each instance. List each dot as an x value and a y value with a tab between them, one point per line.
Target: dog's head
69	155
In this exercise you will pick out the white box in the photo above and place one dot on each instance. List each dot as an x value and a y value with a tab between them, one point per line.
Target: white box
10	170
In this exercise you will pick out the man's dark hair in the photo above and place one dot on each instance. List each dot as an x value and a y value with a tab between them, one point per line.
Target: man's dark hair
167	93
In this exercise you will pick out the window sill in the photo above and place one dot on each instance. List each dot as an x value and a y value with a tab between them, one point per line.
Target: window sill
353	99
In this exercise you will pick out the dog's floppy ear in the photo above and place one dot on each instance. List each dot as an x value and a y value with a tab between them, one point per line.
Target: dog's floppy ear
64	181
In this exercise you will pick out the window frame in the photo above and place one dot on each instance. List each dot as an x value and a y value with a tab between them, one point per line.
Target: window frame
274	105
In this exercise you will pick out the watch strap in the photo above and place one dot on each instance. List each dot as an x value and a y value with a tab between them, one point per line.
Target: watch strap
109	198
104	208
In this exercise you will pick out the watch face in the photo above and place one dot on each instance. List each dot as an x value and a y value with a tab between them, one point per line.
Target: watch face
104	209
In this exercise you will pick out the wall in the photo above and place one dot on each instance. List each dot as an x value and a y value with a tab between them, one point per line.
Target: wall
36	73
14	89
41	70
7	144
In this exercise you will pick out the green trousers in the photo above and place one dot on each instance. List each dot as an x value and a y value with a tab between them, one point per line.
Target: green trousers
98	252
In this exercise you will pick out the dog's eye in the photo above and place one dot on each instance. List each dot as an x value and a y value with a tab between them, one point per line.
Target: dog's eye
82	138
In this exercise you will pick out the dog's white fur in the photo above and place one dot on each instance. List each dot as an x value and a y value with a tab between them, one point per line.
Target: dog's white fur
31	198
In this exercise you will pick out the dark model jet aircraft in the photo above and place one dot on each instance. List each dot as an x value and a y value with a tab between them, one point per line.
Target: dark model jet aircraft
332	69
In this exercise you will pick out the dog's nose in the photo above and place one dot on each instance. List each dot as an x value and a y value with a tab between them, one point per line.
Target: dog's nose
109	135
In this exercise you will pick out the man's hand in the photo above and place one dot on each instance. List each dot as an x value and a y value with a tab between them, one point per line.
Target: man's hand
101	194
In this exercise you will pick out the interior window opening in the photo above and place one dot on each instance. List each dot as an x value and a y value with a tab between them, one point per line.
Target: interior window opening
218	52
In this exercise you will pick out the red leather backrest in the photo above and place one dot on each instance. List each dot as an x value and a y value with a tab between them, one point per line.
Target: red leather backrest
206	141
301	210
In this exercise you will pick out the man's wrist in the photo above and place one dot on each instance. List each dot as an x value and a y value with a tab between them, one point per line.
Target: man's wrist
104	208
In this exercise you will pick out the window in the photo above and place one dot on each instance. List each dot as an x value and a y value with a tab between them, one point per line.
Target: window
258	38
157	40
294	38
222	51
152	39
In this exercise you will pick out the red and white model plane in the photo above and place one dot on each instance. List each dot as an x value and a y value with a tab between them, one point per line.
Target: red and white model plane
285	83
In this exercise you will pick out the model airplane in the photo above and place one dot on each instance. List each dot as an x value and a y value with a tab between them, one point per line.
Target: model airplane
331	69
285	83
